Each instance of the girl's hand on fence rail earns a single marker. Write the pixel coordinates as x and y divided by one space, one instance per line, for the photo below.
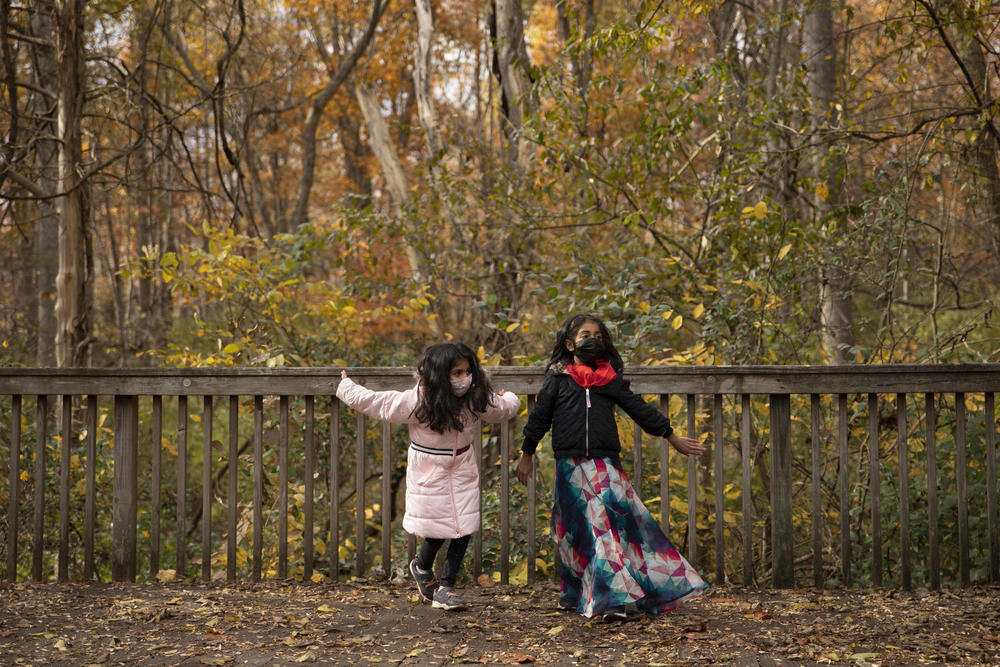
689 446
523 469
343 374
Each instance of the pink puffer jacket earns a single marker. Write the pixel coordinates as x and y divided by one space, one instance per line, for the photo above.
442 489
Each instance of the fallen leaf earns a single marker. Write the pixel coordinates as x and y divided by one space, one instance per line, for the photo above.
521 658
325 608
485 581
554 631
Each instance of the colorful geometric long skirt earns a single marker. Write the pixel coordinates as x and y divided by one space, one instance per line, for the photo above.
613 551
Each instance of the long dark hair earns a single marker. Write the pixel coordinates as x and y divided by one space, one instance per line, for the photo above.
439 408
568 331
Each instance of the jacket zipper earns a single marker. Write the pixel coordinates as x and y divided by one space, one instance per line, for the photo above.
451 484
587 422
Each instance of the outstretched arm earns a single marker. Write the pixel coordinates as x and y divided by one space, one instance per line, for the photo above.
392 406
688 446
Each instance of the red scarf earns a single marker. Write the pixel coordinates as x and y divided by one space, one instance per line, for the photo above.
586 376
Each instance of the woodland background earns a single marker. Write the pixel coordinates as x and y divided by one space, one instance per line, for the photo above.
237 182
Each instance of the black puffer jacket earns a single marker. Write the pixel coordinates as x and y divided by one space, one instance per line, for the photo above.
579 430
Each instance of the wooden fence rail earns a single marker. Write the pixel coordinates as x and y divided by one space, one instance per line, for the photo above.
708 386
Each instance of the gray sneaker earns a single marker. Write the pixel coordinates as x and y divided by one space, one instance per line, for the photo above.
447 598
425 581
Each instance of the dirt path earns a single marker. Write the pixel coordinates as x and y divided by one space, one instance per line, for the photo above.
382 623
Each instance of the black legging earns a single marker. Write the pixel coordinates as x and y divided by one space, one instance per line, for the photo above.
452 564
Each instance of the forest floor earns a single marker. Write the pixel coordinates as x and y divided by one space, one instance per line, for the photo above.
384 623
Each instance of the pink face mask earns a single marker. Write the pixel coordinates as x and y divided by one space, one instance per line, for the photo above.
460 387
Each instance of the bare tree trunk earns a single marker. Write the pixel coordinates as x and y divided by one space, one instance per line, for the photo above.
319 103
396 181
46 84
582 55
971 61
512 65
836 303
72 302
422 76
356 152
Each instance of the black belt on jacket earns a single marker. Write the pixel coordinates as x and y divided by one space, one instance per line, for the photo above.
439 452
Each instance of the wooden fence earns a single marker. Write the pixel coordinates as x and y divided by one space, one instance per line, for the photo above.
913 386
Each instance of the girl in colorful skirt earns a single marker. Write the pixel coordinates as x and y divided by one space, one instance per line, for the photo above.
442 477
615 559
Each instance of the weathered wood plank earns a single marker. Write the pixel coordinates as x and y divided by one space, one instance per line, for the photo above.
817 507
692 483
359 496
258 487
206 488
961 469
333 540
720 499
38 520
62 573
782 537
519 379
746 455
181 535
665 470
532 510
232 496
283 487
14 476
125 496
90 502
875 485
505 502
904 491
308 509
991 487
843 482
933 555
156 493
386 499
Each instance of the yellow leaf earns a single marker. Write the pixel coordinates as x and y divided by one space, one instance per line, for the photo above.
326 609
25 476
822 191
699 310
164 576
554 631
667 315
677 323
512 327
784 251
760 210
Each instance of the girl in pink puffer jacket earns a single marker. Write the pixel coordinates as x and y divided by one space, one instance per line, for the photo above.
442 479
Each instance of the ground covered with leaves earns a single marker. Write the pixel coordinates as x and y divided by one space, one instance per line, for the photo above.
384 623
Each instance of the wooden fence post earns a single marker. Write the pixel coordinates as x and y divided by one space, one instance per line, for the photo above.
781 494
15 478
123 539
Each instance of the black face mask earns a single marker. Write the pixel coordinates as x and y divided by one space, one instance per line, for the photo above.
589 350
